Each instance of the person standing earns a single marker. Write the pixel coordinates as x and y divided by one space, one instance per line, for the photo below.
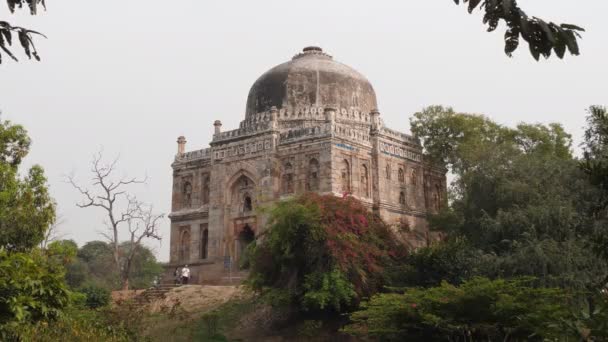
177 275
185 274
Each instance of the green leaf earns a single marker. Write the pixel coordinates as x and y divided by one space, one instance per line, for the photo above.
473 4
572 27
571 42
511 41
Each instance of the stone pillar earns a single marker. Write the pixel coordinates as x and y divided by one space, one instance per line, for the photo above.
218 127
181 145
375 119
274 114
375 169
330 117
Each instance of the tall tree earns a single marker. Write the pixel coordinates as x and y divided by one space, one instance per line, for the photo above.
595 165
542 37
26 207
125 214
518 196
31 284
94 266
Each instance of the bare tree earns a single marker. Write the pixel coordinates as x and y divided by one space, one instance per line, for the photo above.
125 214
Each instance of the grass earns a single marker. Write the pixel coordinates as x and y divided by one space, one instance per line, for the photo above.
215 325
212 326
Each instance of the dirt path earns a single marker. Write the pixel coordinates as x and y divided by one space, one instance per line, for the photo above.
198 298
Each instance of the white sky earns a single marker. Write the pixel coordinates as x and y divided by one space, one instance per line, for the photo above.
133 75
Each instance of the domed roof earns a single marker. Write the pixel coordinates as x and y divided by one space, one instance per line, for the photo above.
311 79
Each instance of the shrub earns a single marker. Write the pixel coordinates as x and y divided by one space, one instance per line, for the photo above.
452 260
321 253
96 296
480 310
75 325
31 290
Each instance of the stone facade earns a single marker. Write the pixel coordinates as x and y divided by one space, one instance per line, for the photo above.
311 124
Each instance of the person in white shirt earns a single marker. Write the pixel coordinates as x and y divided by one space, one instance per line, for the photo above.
185 274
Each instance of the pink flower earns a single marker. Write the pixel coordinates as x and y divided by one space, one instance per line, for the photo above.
413 305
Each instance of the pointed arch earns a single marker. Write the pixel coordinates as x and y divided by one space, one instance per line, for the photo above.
184 245
414 177
312 183
247 203
345 173
204 241
364 181
205 189
288 179
437 197
187 194
402 198
401 175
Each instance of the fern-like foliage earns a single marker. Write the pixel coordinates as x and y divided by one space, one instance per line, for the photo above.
542 37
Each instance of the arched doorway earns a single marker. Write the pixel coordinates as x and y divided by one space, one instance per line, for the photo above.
245 237
345 176
184 245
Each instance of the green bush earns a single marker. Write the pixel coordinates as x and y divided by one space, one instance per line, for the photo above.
96 296
31 290
478 310
75 325
452 260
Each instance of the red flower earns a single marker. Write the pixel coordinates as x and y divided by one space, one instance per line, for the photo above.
413 305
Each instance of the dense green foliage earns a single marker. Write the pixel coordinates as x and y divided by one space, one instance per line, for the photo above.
94 265
321 253
96 297
595 166
453 260
31 290
519 198
26 208
478 310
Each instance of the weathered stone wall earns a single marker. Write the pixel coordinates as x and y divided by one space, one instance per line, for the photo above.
273 160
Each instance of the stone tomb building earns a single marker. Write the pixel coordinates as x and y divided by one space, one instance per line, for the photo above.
311 124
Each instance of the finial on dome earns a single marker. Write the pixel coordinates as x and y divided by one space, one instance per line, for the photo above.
312 48
312 51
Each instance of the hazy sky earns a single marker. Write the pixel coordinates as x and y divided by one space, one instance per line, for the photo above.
132 75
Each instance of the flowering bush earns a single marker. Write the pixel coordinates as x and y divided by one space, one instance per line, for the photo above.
321 252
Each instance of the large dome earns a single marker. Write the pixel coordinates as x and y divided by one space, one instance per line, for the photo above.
311 79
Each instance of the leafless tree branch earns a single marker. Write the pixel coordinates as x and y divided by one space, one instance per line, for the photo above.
123 211
52 234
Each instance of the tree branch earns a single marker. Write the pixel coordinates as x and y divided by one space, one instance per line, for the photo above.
124 212
542 37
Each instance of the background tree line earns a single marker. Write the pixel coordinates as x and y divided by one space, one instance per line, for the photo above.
53 290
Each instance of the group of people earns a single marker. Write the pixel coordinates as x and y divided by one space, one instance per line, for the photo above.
182 276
